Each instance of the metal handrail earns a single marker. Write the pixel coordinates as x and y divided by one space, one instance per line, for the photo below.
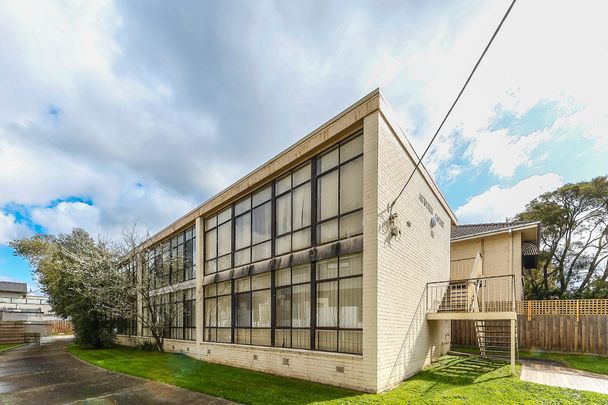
471 279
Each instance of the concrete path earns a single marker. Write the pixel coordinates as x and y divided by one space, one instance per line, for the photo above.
550 373
46 374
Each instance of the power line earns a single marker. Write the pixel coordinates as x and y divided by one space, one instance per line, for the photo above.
453 104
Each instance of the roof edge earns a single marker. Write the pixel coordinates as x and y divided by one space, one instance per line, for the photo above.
519 227
393 121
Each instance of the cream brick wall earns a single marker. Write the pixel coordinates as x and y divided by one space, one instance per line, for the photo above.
501 255
406 340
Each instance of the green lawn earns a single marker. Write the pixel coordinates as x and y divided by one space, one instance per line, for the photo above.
6 346
452 380
584 362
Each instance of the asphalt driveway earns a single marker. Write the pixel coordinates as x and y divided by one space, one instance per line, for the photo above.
46 374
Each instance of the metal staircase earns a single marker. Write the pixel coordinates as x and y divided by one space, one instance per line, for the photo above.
494 339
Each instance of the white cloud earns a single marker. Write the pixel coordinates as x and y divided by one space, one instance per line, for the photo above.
65 216
10 229
499 203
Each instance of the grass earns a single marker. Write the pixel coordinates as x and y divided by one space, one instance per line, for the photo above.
6 346
452 380
583 362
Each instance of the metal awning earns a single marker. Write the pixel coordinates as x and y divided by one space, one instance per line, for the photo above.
529 249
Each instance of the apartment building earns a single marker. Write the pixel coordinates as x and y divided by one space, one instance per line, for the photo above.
306 268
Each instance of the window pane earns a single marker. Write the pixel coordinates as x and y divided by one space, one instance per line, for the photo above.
260 337
283 214
260 281
223 335
327 269
224 215
224 241
210 290
300 274
243 336
328 195
283 184
260 303
282 338
327 304
301 175
328 231
210 222
283 244
211 312
211 267
243 309
301 239
210 335
283 306
301 206
351 149
242 206
328 161
224 288
351 186
351 225
350 341
242 237
261 223
327 340
300 338
351 298
351 265
223 263
210 244
300 315
242 284
242 257
224 311
282 277
261 196
260 252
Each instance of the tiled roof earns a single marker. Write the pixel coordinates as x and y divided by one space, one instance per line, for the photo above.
463 231
10 286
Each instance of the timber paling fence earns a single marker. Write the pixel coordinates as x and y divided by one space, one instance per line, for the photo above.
578 326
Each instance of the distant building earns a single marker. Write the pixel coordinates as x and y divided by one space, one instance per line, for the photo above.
17 305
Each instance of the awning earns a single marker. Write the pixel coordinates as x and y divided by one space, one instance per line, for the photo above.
529 249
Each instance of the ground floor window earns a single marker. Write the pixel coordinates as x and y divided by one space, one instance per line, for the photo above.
179 309
316 306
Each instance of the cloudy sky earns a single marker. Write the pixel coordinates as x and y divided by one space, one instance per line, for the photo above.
116 112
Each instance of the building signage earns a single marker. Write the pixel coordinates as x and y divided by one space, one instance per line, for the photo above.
430 209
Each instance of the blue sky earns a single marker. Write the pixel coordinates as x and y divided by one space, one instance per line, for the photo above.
117 112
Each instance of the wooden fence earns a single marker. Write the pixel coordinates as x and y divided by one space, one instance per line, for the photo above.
579 326
61 327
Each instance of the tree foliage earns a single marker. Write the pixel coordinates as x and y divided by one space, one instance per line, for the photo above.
574 241
79 276
98 284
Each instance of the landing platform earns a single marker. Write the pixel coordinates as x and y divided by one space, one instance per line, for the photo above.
470 316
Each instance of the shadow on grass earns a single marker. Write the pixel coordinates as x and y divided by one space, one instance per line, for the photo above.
461 371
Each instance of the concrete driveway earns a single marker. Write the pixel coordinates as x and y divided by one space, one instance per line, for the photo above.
46 374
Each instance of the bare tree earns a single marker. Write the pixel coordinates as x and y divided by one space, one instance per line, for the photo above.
151 295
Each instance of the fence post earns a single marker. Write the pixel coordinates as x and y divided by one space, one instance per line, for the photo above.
529 311
577 310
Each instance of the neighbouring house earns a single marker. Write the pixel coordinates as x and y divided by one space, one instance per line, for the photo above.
16 304
487 265
503 248
310 267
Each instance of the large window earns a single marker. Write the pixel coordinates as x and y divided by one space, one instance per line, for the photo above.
242 311
218 312
340 192
178 310
339 304
174 260
252 223
293 211
218 242
292 303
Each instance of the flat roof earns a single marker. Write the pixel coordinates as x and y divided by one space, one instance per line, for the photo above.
337 128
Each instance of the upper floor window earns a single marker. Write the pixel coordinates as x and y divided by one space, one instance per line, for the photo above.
340 192
218 242
293 211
